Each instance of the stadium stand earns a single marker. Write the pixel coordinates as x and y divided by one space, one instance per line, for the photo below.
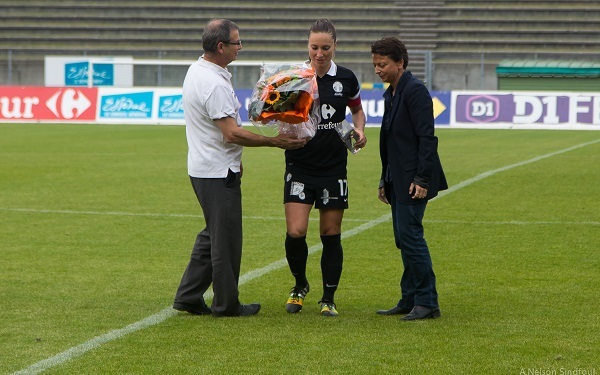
145 27
524 26
487 32
465 39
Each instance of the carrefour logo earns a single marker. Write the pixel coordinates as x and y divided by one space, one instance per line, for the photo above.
128 105
68 104
327 111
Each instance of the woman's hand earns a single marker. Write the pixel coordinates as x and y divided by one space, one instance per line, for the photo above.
382 195
361 139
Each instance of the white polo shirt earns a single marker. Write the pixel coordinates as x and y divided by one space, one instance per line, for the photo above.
208 95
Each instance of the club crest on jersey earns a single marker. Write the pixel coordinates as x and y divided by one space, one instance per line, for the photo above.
338 88
297 189
327 111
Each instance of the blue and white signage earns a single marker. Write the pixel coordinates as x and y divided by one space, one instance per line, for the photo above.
170 106
77 74
126 105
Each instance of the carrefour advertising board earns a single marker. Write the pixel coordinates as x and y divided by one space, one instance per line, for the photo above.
53 104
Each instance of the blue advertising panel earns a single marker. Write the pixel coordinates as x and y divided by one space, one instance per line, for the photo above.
77 74
126 105
243 96
170 107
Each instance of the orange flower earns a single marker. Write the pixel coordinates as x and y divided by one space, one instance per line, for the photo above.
299 114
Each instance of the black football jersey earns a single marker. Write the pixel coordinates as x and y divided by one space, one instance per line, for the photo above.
325 154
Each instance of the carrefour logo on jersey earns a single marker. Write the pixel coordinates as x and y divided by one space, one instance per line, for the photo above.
170 106
327 111
126 105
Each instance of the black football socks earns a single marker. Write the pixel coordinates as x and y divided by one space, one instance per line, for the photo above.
331 265
296 252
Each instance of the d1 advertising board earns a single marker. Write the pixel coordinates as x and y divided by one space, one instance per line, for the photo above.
542 110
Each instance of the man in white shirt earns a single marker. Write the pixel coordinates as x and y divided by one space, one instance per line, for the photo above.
215 141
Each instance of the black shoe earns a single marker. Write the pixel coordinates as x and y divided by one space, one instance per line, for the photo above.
422 312
194 310
397 310
248 310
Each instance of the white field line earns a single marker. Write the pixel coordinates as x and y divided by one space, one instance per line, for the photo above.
168 312
281 218
143 214
513 222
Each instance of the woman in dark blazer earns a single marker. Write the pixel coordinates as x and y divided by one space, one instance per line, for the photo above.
411 175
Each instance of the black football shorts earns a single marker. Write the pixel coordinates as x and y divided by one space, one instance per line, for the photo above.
323 192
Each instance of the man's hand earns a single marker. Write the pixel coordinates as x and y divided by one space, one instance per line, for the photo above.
232 133
288 142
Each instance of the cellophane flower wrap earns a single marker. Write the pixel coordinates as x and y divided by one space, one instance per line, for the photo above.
285 100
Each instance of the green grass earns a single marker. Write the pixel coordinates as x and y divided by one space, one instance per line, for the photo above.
97 223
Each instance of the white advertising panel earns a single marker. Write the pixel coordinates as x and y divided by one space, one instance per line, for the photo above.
75 71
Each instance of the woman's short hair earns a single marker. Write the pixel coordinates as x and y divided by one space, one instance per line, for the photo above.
391 47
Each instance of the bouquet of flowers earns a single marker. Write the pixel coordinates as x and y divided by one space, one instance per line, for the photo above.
285 98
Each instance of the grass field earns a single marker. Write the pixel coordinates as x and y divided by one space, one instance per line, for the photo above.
97 224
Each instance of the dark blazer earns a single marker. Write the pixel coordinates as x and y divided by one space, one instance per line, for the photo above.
407 144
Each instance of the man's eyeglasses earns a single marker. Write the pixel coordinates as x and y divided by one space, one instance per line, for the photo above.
238 43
